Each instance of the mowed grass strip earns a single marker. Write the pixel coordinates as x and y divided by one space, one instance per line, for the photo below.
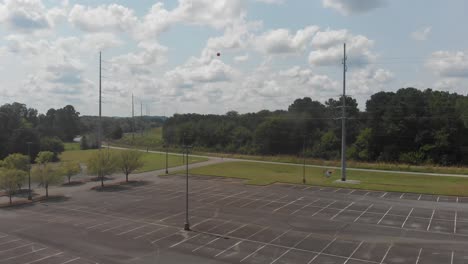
152 161
264 174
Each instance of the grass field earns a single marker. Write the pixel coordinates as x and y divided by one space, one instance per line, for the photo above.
71 146
152 139
263 174
152 161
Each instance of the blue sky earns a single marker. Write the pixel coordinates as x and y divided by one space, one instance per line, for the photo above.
272 52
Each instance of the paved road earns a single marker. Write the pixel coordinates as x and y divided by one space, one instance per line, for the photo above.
311 166
236 223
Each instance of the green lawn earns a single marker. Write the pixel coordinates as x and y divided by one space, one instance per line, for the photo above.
152 161
71 146
263 174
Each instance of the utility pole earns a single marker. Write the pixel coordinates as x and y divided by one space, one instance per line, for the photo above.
141 117
187 223
100 102
133 120
304 157
343 119
29 171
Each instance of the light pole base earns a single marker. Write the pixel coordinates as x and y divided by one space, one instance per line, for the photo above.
187 227
167 172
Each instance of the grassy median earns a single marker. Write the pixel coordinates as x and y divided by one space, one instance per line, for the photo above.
263 174
152 161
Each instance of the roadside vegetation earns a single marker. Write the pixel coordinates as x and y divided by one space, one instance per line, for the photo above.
264 174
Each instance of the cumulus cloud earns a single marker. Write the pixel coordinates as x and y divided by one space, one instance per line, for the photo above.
349 7
29 15
421 34
281 41
111 17
368 81
451 64
277 2
328 48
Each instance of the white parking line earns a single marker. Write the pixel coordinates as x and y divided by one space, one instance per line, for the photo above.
383 195
457 199
154 241
214 240
430 221
90 227
354 252
419 198
149 233
71 260
189 238
365 211
287 251
386 253
256 200
385 214
401 196
24 254
316 256
10 241
46 257
407 218
352 191
455 223
299 199
451 258
128 231
264 228
342 210
438 198
115 227
323 208
273 201
258 249
304 206
333 191
419 255
13 248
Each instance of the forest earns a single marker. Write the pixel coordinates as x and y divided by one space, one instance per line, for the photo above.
409 125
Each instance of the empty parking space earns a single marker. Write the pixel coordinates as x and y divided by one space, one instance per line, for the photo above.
235 223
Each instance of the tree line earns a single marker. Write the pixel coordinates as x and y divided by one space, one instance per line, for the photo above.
409 125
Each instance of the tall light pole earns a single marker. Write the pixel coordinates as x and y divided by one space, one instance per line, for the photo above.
343 119
29 171
166 147
100 103
304 157
187 223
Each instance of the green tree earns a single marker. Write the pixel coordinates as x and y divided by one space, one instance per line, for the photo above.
102 163
9 181
18 162
46 174
129 161
71 169
52 144
45 157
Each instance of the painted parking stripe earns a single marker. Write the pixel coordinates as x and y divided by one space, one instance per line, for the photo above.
323 208
309 204
354 252
402 225
24 254
71 260
287 251
46 257
128 231
258 249
262 229
13 248
386 253
419 255
363 212
385 214
316 256
430 221
342 210
299 199
216 239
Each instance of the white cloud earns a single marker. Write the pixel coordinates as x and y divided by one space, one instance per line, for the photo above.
241 58
349 7
328 48
111 17
364 82
453 64
29 15
421 34
276 2
281 41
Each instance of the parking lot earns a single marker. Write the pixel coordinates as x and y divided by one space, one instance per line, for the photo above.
235 223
